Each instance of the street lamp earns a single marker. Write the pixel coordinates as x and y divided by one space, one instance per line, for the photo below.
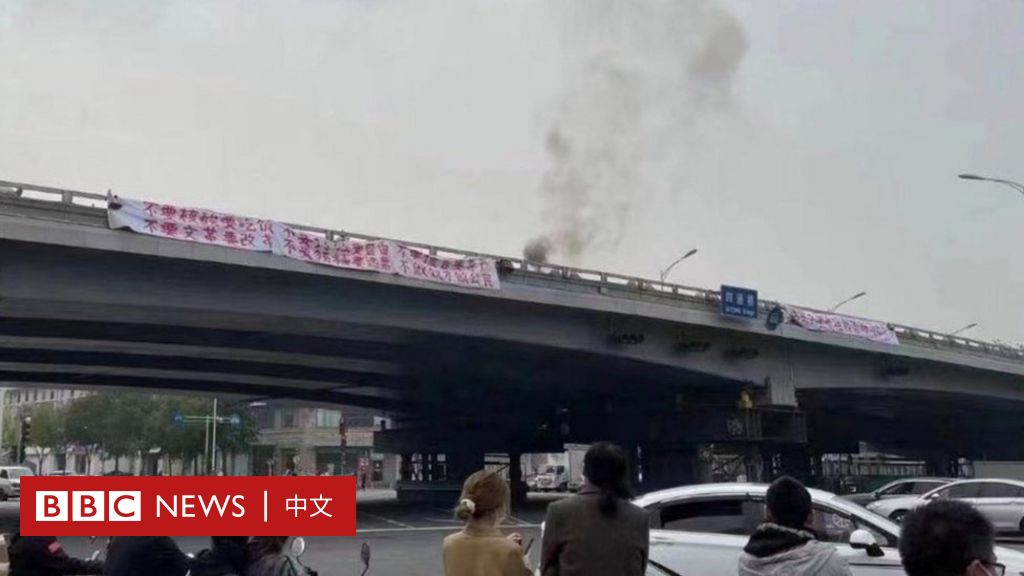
964 329
1015 185
848 300
665 272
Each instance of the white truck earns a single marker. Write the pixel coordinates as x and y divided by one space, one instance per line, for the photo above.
1005 469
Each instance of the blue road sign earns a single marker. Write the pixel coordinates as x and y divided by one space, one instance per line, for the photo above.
235 420
178 418
739 302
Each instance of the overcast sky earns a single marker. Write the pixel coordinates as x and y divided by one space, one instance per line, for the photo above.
807 148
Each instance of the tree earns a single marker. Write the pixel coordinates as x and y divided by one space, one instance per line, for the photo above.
10 434
125 423
85 423
49 429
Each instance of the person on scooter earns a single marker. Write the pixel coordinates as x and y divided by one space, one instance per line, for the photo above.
269 558
146 556
227 556
44 556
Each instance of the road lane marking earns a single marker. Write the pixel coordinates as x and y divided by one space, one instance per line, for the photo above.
388 521
425 529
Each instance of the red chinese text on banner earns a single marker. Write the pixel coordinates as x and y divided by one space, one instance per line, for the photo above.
373 256
467 272
191 224
217 228
847 325
193 506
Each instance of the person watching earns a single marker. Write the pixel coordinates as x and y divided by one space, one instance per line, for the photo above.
786 544
948 538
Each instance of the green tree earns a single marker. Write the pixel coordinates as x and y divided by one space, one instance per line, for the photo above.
10 433
85 422
125 424
49 431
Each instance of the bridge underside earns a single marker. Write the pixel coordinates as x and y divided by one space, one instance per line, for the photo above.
466 375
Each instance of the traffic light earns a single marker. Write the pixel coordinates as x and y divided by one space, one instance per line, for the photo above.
25 437
26 430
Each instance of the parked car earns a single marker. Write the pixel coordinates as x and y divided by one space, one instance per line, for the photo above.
13 474
8 490
1001 501
898 489
701 530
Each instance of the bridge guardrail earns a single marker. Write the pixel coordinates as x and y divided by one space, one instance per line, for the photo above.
603 281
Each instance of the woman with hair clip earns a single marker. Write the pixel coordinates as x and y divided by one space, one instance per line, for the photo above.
480 549
598 532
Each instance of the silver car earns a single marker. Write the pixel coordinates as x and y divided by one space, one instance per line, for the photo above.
899 489
1001 501
701 530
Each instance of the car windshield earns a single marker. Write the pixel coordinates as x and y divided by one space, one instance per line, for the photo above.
15 473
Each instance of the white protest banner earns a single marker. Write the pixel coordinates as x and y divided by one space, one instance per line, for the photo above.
847 325
217 228
465 272
190 224
373 255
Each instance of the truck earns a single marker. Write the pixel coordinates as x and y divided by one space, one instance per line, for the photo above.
1006 470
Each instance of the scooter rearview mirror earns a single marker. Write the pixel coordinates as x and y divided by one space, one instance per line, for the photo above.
298 546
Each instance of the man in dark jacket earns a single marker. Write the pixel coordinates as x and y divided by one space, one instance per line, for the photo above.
229 556
44 556
145 556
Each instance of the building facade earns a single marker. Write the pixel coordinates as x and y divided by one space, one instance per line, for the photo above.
309 441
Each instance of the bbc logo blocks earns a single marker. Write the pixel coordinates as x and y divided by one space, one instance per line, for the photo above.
89 506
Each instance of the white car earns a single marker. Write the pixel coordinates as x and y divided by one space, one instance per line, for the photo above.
13 474
701 530
8 490
1001 501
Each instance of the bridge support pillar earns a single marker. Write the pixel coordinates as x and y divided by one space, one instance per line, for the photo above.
439 481
515 477
664 467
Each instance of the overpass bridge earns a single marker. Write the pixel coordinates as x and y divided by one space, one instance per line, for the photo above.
556 354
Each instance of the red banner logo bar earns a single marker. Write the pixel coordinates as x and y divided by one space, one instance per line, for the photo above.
188 506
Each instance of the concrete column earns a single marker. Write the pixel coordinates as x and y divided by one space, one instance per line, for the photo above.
665 467
405 468
796 462
515 476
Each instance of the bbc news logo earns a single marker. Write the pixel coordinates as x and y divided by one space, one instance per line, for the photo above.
88 506
193 506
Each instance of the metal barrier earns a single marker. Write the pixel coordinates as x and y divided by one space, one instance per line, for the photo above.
604 282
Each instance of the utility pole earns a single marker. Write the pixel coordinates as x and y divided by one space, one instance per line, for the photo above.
206 445
343 430
213 443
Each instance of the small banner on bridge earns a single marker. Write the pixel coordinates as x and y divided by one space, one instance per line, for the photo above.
846 325
227 230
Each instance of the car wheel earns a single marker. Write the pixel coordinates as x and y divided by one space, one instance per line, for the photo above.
4 497
563 488
898 516
1022 525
